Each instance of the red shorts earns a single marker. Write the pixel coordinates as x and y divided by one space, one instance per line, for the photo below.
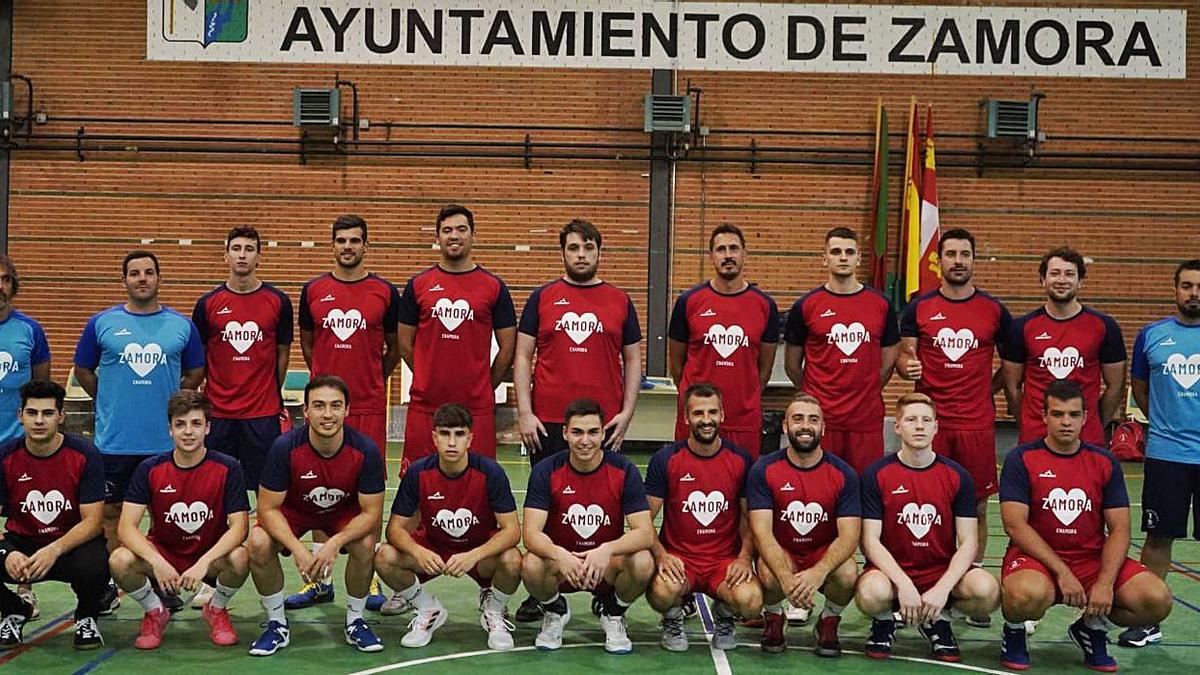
374 427
922 579
750 441
1086 570
803 562
704 576
180 562
860 449
602 589
418 435
975 450
330 523
444 554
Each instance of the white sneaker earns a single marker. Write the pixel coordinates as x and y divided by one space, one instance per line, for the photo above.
550 637
395 605
796 616
499 631
420 629
202 596
26 593
616 638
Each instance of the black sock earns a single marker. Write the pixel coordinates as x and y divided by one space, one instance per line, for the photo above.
611 606
558 605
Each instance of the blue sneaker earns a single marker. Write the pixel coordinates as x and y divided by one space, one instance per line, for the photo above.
1094 644
312 593
375 597
274 638
879 642
359 634
1014 652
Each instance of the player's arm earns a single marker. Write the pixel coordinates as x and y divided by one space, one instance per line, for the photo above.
937 597
1114 390
676 357
391 353
40 371
132 538
506 339
507 536
537 541
874 550
406 337
1016 525
766 362
398 534
631 361
38 565
276 525
529 425
849 532
793 364
237 525
1141 394
1112 557
887 363
769 550
87 379
908 366
306 347
367 521
191 378
742 568
670 567
283 357
1014 376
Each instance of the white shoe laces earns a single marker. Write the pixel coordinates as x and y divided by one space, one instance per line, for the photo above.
496 622
424 618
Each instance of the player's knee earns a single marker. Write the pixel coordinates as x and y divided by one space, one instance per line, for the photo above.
386 557
765 576
259 546
640 565
873 592
1153 600
533 568
1025 598
121 560
845 576
238 560
362 549
748 598
510 561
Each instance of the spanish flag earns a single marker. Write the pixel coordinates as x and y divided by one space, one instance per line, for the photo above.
910 213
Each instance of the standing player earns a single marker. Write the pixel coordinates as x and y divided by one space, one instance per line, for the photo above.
1166 366
806 517
454 515
841 346
725 331
919 539
705 545
348 329
147 352
52 488
947 338
448 316
199 516
1064 340
576 508
1058 496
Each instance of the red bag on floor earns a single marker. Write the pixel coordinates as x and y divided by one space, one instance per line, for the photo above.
1128 442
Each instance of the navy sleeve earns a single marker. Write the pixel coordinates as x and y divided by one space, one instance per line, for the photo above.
500 496
200 317
408 311
504 313
872 502
631 331
193 351
677 330
537 492
771 330
1139 368
795 331
747 464
908 321
529 314
285 329
633 496
407 495
87 350
849 501
5 449
1014 479
40 353
656 474
891 334
758 493
235 490
277 470
964 499
91 484
1013 348
372 478
1115 494
138 490
1003 330
305 318
1112 349
391 316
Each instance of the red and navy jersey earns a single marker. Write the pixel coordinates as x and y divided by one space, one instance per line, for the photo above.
585 510
188 507
1071 349
724 334
349 320
41 495
579 330
241 332
1066 495
955 342
918 508
320 487
805 503
843 336
456 315
458 513
701 499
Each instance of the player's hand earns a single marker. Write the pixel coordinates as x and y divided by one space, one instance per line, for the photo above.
323 560
531 430
304 560
1073 594
808 582
934 601
910 603
739 571
38 565
570 566
912 369
1099 601
595 564
167 577
14 564
618 425
460 563
671 569
429 562
193 577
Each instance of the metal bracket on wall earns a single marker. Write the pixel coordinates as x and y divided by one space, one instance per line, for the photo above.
79 143
753 157
528 152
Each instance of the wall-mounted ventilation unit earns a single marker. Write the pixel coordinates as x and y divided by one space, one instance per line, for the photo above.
1013 119
316 107
668 113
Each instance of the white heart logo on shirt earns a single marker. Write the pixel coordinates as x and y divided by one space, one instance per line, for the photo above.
706 507
189 517
954 343
919 518
241 336
7 364
45 507
585 521
579 327
1061 363
1185 369
455 523
725 340
325 498
847 338
344 324
804 517
452 314
1067 505
141 359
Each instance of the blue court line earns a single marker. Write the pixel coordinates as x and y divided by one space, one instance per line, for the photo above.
49 625
94 663
702 608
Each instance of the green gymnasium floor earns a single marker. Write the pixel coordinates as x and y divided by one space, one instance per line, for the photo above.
317 645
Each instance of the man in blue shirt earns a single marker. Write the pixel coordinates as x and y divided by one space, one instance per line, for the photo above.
1166 386
130 359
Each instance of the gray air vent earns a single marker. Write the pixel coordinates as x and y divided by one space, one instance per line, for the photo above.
316 107
1012 119
668 113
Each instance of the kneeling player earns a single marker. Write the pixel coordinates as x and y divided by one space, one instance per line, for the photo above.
465 520
806 517
322 477
919 539
52 488
1058 495
575 536
705 544
198 521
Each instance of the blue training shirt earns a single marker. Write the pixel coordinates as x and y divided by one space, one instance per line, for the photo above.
140 358
22 346
1167 355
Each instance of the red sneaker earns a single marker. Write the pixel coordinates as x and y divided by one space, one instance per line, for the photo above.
153 625
220 630
772 640
826 632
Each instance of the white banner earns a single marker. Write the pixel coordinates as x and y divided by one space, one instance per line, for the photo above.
802 38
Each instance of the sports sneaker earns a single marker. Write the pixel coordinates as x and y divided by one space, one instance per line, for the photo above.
879 642
111 600
797 616
529 611
724 628
1094 644
220 630
772 640
172 603
689 606
941 640
375 596
395 605
1140 636
1014 651
420 629
549 638
485 597
360 635
87 634
616 637
274 638
984 621
151 632
826 634
26 593
202 596
312 593
674 638
499 630
10 630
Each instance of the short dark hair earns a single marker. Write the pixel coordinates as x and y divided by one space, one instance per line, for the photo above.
956 233
582 407
185 401
726 228
700 390
841 233
348 221
455 210
43 389
581 227
244 232
331 381
1063 390
136 254
1192 265
1066 253
450 415
11 270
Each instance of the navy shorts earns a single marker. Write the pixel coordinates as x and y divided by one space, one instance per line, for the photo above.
118 469
247 441
1169 492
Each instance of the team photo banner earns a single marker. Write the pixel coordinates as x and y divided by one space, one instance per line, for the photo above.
801 38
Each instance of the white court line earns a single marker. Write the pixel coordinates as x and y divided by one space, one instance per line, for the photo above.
720 660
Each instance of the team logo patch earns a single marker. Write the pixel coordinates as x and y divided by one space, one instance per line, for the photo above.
455 523
726 340
579 327
919 518
1061 363
241 336
7 364
189 517
45 507
1185 369
1067 505
325 498
344 324
804 517
585 520
955 343
848 338
143 359
452 313
705 507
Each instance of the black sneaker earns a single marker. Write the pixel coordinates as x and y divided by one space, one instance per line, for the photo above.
1140 636
597 605
87 634
111 600
879 642
689 606
173 603
941 640
10 630
529 611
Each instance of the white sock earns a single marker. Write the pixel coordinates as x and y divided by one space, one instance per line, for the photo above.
620 602
354 609
222 594
1015 625
774 608
831 609
1099 623
553 599
274 605
146 597
885 616
499 599
417 596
